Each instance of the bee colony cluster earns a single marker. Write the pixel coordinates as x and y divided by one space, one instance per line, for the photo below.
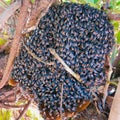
81 35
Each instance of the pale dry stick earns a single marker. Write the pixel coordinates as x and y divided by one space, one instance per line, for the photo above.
8 98
25 109
15 44
35 57
61 102
105 92
7 106
8 12
96 106
3 1
67 68
3 4
107 84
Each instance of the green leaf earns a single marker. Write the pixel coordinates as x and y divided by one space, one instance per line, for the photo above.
5 114
95 1
118 37
74 1
118 3
92 1
33 1
116 24
2 41
8 1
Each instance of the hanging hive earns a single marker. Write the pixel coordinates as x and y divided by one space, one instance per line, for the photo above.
81 35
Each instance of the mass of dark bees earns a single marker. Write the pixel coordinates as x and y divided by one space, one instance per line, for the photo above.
81 35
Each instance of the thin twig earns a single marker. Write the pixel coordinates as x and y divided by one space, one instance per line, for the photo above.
10 98
35 57
109 72
25 109
112 16
9 12
105 93
4 4
96 106
61 102
67 68
7 106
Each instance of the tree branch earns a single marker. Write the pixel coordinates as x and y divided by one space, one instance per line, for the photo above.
112 16
19 27
43 6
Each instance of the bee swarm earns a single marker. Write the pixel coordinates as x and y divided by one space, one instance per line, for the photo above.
81 35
